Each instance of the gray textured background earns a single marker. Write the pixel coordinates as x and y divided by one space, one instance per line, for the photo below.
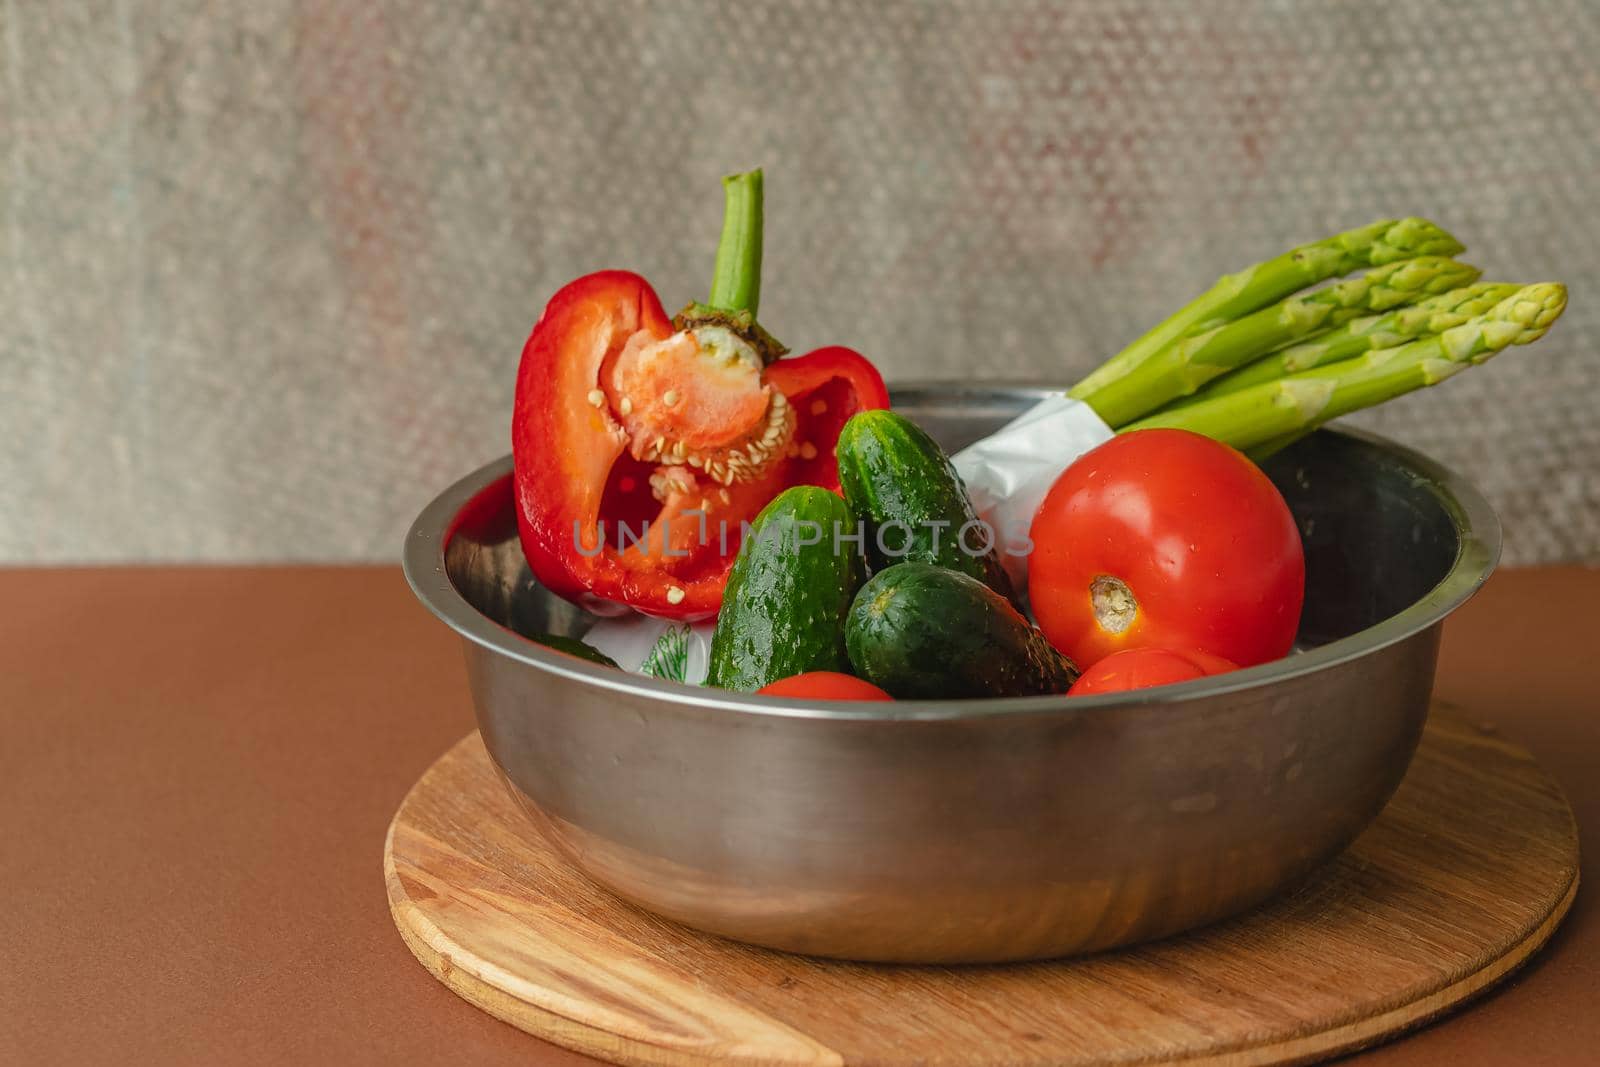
266 268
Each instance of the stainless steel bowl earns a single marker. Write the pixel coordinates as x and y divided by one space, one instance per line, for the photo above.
977 830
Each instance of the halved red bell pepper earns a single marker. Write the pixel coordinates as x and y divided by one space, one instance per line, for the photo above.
641 444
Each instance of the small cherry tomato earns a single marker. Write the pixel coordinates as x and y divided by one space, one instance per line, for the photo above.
1208 662
1166 539
824 685
1141 668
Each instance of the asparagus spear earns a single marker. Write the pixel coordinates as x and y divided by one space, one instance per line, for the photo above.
1434 315
1260 452
1262 414
1255 287
1189 362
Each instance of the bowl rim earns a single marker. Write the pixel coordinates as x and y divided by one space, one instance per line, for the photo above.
1478 550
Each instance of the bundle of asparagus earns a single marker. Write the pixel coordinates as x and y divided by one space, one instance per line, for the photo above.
1254 363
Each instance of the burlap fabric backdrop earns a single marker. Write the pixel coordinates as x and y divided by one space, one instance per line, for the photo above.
268 267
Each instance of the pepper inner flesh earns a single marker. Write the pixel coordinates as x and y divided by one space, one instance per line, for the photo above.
695 404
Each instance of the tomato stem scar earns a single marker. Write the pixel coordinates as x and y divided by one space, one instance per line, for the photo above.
1115 606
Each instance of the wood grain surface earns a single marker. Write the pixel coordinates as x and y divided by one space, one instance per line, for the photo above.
1462 878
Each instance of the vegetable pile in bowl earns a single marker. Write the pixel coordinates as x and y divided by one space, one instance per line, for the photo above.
1161 541
688 469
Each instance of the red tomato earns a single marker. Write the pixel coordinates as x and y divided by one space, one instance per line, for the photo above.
824 685
1206 661
1141 668
1166 539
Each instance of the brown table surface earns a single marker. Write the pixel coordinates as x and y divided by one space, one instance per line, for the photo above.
197 766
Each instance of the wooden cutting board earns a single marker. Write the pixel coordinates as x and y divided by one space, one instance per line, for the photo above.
1463 877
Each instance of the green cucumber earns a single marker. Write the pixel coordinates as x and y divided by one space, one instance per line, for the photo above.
924 632
574 647
787 596
901 483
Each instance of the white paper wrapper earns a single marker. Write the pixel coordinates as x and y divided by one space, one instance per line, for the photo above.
628 639
1007 475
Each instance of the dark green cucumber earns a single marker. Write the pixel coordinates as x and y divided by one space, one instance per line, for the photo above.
574 647
924 632
901 483
784 607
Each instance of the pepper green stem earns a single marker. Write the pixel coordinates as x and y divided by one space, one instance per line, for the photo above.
736 283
